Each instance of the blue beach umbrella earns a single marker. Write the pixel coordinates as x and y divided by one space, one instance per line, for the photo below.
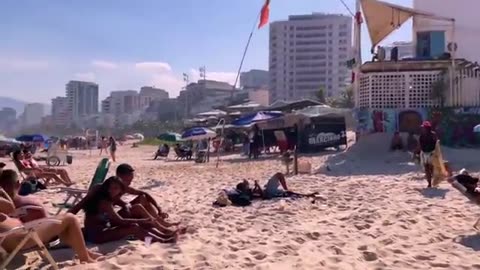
256 117
476 129
32 138
198 133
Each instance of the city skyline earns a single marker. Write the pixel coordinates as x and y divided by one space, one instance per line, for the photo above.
122 46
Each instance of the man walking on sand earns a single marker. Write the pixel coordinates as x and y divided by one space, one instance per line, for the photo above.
427 142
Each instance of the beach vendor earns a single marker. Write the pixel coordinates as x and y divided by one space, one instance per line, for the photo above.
427 142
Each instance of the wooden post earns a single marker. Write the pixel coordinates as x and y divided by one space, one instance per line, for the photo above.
295 151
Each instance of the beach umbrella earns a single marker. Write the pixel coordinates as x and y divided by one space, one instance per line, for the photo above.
256 117
476 129
4 139
32 138
170 137
198 133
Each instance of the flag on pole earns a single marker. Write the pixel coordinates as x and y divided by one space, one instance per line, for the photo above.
264 14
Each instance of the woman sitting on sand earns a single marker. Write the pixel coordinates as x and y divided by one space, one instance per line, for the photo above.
103 224
25 167
62 173
68 230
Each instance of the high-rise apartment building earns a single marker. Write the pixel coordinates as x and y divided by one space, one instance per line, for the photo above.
254 79
82 99
33 114
60 114
308 53
149 94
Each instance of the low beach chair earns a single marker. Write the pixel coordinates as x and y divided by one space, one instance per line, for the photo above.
77 194
458 186
30 233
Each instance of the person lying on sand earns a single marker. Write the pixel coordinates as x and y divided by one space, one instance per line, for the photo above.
242 195
10 183
470 183
103 224
68 231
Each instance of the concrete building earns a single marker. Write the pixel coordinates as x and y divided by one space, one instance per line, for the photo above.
60 114
405 50
309 52
254 79
149 94
433 36
203 95
33 114
82 98
124 105
259 96
8 119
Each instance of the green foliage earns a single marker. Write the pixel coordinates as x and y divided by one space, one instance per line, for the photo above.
439 89
346 99
320 95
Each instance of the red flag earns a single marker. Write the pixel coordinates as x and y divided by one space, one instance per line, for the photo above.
264 14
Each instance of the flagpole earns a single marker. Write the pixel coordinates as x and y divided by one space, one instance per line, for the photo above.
357 50
244 54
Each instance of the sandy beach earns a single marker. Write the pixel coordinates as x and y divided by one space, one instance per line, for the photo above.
373 212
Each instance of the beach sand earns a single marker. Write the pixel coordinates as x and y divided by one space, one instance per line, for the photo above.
373 212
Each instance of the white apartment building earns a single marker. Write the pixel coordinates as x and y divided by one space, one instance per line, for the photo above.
309 52
254 79
60 115
433 36
82 99
33 114
149 94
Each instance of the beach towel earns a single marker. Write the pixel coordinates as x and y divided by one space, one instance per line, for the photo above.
439 171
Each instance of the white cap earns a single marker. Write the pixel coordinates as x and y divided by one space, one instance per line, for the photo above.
463 171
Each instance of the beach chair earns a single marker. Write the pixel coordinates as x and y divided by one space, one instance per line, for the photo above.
26 176
77 194
180 154
458 186
30 233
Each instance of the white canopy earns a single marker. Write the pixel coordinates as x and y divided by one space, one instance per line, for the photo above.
383 18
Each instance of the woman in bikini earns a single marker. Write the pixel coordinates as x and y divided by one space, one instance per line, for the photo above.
62 173
103 224
25 167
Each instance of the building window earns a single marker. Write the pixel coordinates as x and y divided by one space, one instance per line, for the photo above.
430 43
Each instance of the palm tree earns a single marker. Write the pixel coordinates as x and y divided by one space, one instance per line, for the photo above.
439 88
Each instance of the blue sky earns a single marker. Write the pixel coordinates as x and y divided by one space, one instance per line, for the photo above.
124 44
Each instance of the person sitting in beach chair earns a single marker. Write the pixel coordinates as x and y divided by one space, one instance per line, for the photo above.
103 224
10 183
62 173
162 151
183 153
65 227
469 183
397 142
24 167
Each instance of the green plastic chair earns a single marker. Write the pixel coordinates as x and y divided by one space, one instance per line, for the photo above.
77 194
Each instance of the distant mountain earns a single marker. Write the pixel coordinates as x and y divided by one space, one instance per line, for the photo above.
18 105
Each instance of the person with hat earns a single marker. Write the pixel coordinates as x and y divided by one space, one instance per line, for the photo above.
427 143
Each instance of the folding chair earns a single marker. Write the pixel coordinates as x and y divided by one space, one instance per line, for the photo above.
77 194
29 230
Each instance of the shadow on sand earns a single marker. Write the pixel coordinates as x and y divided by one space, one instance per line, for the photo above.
433 192
469 241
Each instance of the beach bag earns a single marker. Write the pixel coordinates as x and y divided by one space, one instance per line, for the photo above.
30 186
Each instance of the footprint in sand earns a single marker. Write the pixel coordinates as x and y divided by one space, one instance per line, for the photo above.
425 257
313 235
336 250
299 240
258 255
362 247
369 256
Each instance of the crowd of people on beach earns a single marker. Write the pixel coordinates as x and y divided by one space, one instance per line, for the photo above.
141 219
